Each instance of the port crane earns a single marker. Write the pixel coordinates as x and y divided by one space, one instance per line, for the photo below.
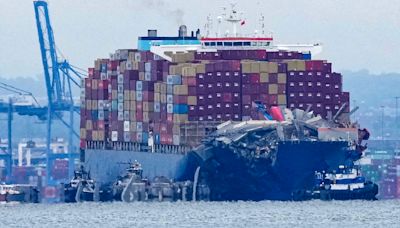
60 77
11 105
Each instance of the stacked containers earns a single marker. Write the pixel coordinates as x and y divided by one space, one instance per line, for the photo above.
136 94
263 81
312 82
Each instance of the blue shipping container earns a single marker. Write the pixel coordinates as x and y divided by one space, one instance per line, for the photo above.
145 137
174 79
181 108
307 56
157 138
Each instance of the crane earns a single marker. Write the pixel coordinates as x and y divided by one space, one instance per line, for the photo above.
60 77
12 105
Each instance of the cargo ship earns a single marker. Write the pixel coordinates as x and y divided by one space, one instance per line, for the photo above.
159 103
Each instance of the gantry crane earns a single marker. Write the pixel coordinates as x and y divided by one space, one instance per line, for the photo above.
60 77
8 106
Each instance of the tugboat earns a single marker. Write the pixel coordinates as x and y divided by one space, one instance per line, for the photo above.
344 184
82 188
10 193
131 186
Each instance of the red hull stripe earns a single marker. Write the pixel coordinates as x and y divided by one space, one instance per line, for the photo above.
237 38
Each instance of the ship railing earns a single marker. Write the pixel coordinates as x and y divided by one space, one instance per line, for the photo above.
140 147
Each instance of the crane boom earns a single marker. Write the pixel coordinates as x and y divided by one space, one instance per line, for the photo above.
59 76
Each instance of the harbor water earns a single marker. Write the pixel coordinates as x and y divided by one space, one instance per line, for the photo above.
314 213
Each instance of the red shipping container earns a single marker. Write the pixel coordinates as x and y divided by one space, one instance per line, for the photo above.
314 65
139 115
90 72
112 65
180 99
100 124
254 78
170 117
82 144
96 74
139 106
191 81
163 138
272 100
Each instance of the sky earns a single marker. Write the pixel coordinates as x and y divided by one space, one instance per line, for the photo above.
356 34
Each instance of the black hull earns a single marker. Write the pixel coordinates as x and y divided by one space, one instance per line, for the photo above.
233 177
69 195
18 197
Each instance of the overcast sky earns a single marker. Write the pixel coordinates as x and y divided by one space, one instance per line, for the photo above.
356 34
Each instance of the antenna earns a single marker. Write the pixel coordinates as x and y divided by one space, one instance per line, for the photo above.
219 20
208 25
262 21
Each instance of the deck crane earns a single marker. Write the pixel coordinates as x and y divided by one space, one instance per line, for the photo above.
60 77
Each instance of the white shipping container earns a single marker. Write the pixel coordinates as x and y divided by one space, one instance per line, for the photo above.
156 57
138 57
127 136
170 99
139 95
114 136
101 104
170 108
127 125
101 115
120 107
129 65
120 116
120 79
120 97
176 140
120 88
126 115
103 76
157 107
147 67
147 76
139 86
139 126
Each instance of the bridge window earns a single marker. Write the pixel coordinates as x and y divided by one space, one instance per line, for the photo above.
219 43
227 43
237 44
212 44
246 43
207 43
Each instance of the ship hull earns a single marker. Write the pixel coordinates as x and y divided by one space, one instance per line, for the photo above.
106 165
230 176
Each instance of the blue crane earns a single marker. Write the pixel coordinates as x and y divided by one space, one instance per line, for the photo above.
60 77
8 107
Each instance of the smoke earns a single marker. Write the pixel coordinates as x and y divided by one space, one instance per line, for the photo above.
165 9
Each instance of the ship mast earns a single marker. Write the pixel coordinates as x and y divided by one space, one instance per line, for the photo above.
233 18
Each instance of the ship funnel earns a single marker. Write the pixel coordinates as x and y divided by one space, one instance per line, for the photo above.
182 31
152 33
